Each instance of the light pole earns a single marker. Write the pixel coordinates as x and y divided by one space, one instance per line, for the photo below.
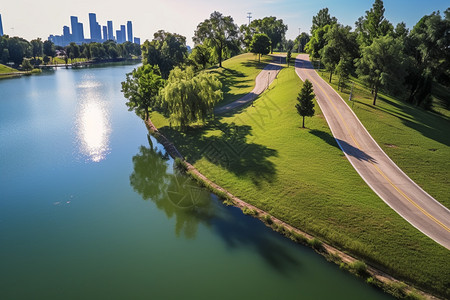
268 78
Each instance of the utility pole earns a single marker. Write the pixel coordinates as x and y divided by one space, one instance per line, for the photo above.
299 40
249 17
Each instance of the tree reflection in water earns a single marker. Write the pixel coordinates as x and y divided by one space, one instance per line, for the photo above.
174 193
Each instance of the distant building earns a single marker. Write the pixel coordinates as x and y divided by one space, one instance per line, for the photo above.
137 40
105 33
75 28
130 31
110 31
66 37
1 26
95 29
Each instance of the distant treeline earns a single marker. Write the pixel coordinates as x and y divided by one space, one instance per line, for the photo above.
17 51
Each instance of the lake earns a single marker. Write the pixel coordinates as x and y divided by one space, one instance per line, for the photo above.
91 208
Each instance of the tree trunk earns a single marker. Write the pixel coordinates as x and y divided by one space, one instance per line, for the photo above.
375 95
331 74
303 125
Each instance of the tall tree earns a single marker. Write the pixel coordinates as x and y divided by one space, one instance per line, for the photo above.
37 47
49 48
166 50
260 44
305 105
273 27
218 32
373 24
201 55
190 98
317 42
141 88
381 64
321 19
301 41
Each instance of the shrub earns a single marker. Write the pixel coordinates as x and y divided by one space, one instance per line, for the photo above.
359 267
316 244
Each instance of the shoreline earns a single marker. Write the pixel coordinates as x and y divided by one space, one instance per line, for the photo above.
370 274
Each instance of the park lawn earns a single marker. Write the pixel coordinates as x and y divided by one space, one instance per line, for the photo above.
418 141
238 75
6 69
300 176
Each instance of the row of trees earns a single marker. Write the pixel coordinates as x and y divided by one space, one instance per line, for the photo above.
15 49
402 62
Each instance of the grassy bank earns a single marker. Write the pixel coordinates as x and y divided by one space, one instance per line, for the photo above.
5 71
418 141
302 177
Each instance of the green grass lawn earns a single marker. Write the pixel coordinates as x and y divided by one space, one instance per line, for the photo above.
418 141
262 156
238 75
5 69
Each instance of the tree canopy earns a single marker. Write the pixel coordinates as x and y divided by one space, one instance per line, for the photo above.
274 28
321 19
220 33
305 105
260 44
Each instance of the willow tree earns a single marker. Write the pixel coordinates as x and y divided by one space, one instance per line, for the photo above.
189 98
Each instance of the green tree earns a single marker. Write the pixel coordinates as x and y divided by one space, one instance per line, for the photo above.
317 42
201 55
373 24
190 98
37 47
48 48
260 44
381 64
305 105
321 19
219 33
273 27
46 59
5 56
166 50
301 41
141 88
26 65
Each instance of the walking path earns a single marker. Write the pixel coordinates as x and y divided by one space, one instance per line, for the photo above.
385 178
262 82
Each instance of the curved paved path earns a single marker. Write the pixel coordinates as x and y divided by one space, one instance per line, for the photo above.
262 82
384 177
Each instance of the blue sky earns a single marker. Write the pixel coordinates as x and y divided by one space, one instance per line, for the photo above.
31 19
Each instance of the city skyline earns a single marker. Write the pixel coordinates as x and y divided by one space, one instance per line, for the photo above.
97 33
183 18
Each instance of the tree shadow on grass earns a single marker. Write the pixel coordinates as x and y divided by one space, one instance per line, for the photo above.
231 78
190 205
343 145
427 123
226 145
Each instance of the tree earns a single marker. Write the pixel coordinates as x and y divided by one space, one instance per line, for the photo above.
381 64
141 88
340 43
273 27
218 32
49 48
321 19
301 41
373 24
46 59
190 98
166 50
288 57
37 47
26 65
305 105
317 42
260 44
201 55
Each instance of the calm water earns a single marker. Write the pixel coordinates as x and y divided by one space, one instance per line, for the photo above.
90 208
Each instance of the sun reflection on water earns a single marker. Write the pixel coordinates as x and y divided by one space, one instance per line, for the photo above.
93 125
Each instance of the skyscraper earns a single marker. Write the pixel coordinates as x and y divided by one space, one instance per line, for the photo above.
123 33
105 33
130 31
80 33
75 28
67 37
1 26
137 40
95 29
110 31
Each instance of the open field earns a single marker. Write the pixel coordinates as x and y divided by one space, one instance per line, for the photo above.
302 177
418 141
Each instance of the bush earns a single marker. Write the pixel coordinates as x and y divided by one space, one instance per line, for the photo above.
359 267
316 244
268 219
36 71
180 165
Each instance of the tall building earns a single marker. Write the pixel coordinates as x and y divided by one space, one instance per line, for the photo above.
67 37
1 26
110 31
137 40
95 29
123 33
130 31
75 28
105 33
80 33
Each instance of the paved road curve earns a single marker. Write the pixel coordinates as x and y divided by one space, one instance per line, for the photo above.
375 167
262 81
